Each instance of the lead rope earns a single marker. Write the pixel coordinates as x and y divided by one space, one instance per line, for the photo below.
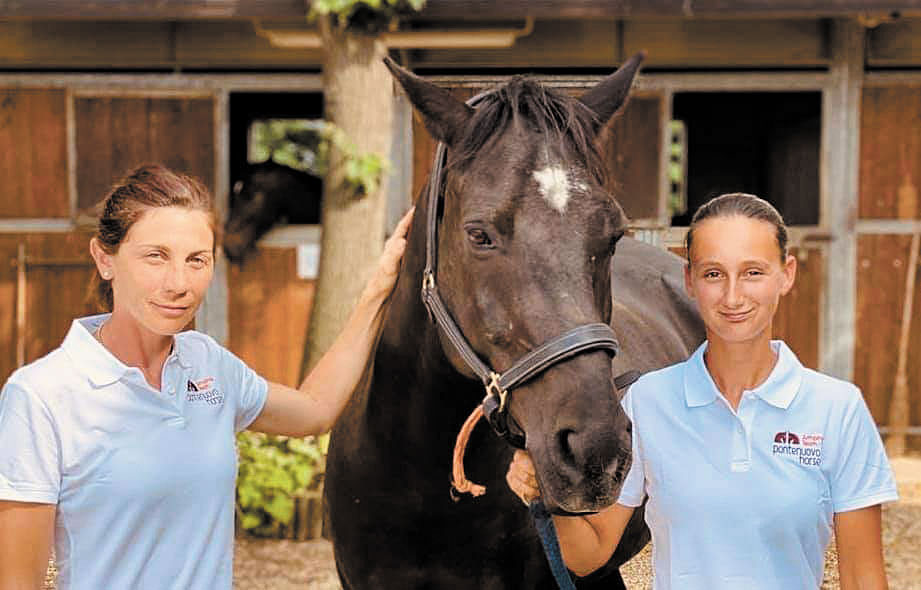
543 521
459 482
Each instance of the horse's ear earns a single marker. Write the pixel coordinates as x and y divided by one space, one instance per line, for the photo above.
443 114
609 95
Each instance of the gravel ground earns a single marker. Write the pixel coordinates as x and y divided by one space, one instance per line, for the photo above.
262 564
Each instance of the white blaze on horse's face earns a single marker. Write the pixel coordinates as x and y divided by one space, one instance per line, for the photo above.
553 183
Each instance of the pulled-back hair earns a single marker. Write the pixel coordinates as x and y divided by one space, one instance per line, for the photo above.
147 187
743 205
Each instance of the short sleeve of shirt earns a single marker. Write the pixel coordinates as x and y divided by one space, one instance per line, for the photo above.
251 387
861 475
633 490
30 468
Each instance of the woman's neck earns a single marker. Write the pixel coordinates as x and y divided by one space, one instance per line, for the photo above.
739 366
135 346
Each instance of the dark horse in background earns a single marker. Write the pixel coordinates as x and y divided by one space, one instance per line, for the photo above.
525 246
266 194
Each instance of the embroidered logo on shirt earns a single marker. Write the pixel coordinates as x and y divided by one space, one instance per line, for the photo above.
203 390
806 448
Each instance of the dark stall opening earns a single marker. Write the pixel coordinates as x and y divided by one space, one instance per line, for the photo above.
766 143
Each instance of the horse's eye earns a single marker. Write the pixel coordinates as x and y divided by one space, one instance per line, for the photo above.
479 238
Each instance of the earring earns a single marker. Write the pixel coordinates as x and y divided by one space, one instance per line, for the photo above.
105 275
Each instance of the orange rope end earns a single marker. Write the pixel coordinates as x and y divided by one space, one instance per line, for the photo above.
459 478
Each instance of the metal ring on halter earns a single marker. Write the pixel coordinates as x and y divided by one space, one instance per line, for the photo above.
428 280
493 388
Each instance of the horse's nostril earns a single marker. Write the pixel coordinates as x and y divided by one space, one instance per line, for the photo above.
565 435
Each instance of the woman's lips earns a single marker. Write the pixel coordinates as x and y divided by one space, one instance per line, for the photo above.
736 316
173 311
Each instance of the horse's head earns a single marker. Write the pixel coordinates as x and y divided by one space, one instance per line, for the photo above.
266 194
524 249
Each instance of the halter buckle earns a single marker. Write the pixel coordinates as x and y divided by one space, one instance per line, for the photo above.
428 280
493 388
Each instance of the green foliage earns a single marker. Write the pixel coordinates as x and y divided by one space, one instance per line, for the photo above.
305 144
364 15
273 471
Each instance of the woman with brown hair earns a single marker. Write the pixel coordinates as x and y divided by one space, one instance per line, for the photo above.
117 448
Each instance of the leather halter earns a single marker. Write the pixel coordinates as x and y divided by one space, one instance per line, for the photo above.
495 405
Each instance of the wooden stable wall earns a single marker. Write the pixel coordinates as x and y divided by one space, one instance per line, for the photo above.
889 212
33 153
116 133
55 282
269 308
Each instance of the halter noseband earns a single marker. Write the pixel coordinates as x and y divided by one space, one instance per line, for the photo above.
495 404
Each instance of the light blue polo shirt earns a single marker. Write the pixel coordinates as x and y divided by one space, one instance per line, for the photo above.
746 499
143 479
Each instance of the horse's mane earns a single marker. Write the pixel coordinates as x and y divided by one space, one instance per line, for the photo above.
536 107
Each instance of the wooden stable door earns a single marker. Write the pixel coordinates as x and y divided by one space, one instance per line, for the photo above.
889 217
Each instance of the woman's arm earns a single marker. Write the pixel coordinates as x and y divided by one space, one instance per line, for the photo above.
858 535
26 536
586 542
330 384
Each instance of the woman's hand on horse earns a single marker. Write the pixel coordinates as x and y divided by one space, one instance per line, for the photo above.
522 477
388 265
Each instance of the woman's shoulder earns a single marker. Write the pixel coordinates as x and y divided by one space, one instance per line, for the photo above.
44 377
825 388
658 387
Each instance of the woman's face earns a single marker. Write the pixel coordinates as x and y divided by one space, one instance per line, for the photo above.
736 275
163 268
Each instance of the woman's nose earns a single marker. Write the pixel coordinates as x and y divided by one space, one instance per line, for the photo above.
733 297
176 279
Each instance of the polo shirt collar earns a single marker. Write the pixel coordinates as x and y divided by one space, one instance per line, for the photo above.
94 360
779 389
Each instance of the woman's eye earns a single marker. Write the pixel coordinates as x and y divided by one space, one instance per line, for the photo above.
479 238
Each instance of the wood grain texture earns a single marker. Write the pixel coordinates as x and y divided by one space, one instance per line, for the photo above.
55 294
631 144
116 134
269 309
890 152
714 42
797 319
552 43
895 44
33 153
882 264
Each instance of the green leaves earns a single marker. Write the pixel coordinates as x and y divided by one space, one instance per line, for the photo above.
306 144
364 15
273 471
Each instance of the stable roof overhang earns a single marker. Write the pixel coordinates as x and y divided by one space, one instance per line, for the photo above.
459 10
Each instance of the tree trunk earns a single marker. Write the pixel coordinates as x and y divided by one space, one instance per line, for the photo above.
359 100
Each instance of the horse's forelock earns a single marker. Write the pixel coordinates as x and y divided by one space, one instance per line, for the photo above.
533 106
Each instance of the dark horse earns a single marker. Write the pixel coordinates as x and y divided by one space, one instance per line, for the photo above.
266 194
525 245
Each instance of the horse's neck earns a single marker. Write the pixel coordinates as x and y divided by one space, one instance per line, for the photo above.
412 378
